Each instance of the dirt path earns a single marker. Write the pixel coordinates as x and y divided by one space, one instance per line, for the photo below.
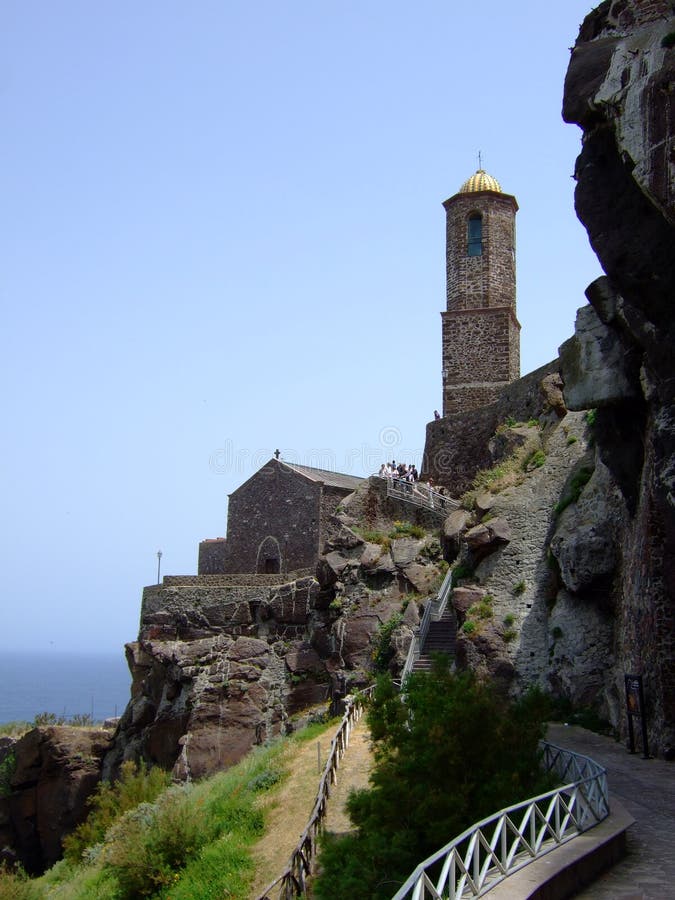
289 811
352 774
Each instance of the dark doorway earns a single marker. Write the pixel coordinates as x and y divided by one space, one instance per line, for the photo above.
271 566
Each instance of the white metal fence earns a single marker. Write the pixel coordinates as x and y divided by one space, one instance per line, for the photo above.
421 495
485 854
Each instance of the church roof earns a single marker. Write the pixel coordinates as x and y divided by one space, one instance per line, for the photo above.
330 479
480 181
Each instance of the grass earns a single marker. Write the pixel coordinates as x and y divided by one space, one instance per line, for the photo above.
477 614
508 472
191 841
406 529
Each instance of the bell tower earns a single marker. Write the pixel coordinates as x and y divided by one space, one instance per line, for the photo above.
481 334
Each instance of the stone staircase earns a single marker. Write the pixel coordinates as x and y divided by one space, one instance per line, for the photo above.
441 638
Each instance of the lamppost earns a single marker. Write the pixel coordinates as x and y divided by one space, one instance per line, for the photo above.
159 563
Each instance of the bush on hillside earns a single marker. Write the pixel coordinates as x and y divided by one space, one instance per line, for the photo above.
136 785
452 754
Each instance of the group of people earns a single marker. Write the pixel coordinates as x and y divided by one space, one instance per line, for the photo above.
402 471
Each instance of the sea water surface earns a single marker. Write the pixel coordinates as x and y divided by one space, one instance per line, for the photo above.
66 684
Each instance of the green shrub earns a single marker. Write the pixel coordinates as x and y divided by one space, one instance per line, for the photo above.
377 537
14 729
432 550
572 439
450 730
406 529
509 635
533 423
469 627
82 720
336 605
383 652
16 885
520 587
535 460
135 785
591 416
509 619
45 719
462 570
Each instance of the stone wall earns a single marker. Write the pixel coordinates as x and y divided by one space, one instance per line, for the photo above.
488 280
281 507
212 556
457 446
481 335
480 356
217 668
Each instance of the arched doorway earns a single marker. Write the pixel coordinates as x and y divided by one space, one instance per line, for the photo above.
269 557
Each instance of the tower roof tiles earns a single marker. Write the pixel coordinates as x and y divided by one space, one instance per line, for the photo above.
480 181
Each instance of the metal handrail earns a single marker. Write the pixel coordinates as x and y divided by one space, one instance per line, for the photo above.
432 613
419 494
292 881
496 847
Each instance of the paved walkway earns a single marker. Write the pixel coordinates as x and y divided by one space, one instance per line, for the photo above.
647 789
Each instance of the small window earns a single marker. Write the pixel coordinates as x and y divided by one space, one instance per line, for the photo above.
475 235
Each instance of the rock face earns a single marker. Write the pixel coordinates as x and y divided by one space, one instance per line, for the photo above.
56 770
225 662
619 90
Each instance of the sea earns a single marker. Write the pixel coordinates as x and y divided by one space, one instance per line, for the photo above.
65 684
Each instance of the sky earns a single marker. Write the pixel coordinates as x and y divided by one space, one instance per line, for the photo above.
221 233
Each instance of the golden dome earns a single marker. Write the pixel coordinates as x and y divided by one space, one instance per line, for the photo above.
480 181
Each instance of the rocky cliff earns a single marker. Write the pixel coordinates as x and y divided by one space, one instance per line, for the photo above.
619 90
223 662
52 773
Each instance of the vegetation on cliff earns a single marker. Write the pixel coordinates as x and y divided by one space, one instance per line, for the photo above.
144 839
452 754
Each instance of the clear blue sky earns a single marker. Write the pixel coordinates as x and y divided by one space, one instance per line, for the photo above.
222 233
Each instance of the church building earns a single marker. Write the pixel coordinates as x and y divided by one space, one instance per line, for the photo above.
481 334
277 520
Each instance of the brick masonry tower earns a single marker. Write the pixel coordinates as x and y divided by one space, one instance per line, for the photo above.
481 334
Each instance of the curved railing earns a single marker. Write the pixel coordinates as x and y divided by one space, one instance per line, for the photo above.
432 612
292 882
485 854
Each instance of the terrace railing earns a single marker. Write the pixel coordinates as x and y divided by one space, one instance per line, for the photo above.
292 881
421 495
485 854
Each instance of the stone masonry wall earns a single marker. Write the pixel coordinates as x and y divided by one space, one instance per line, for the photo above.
212 556
458 446
481 335
480 351
486 280
279 503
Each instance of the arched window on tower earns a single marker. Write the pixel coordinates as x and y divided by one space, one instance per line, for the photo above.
474 235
